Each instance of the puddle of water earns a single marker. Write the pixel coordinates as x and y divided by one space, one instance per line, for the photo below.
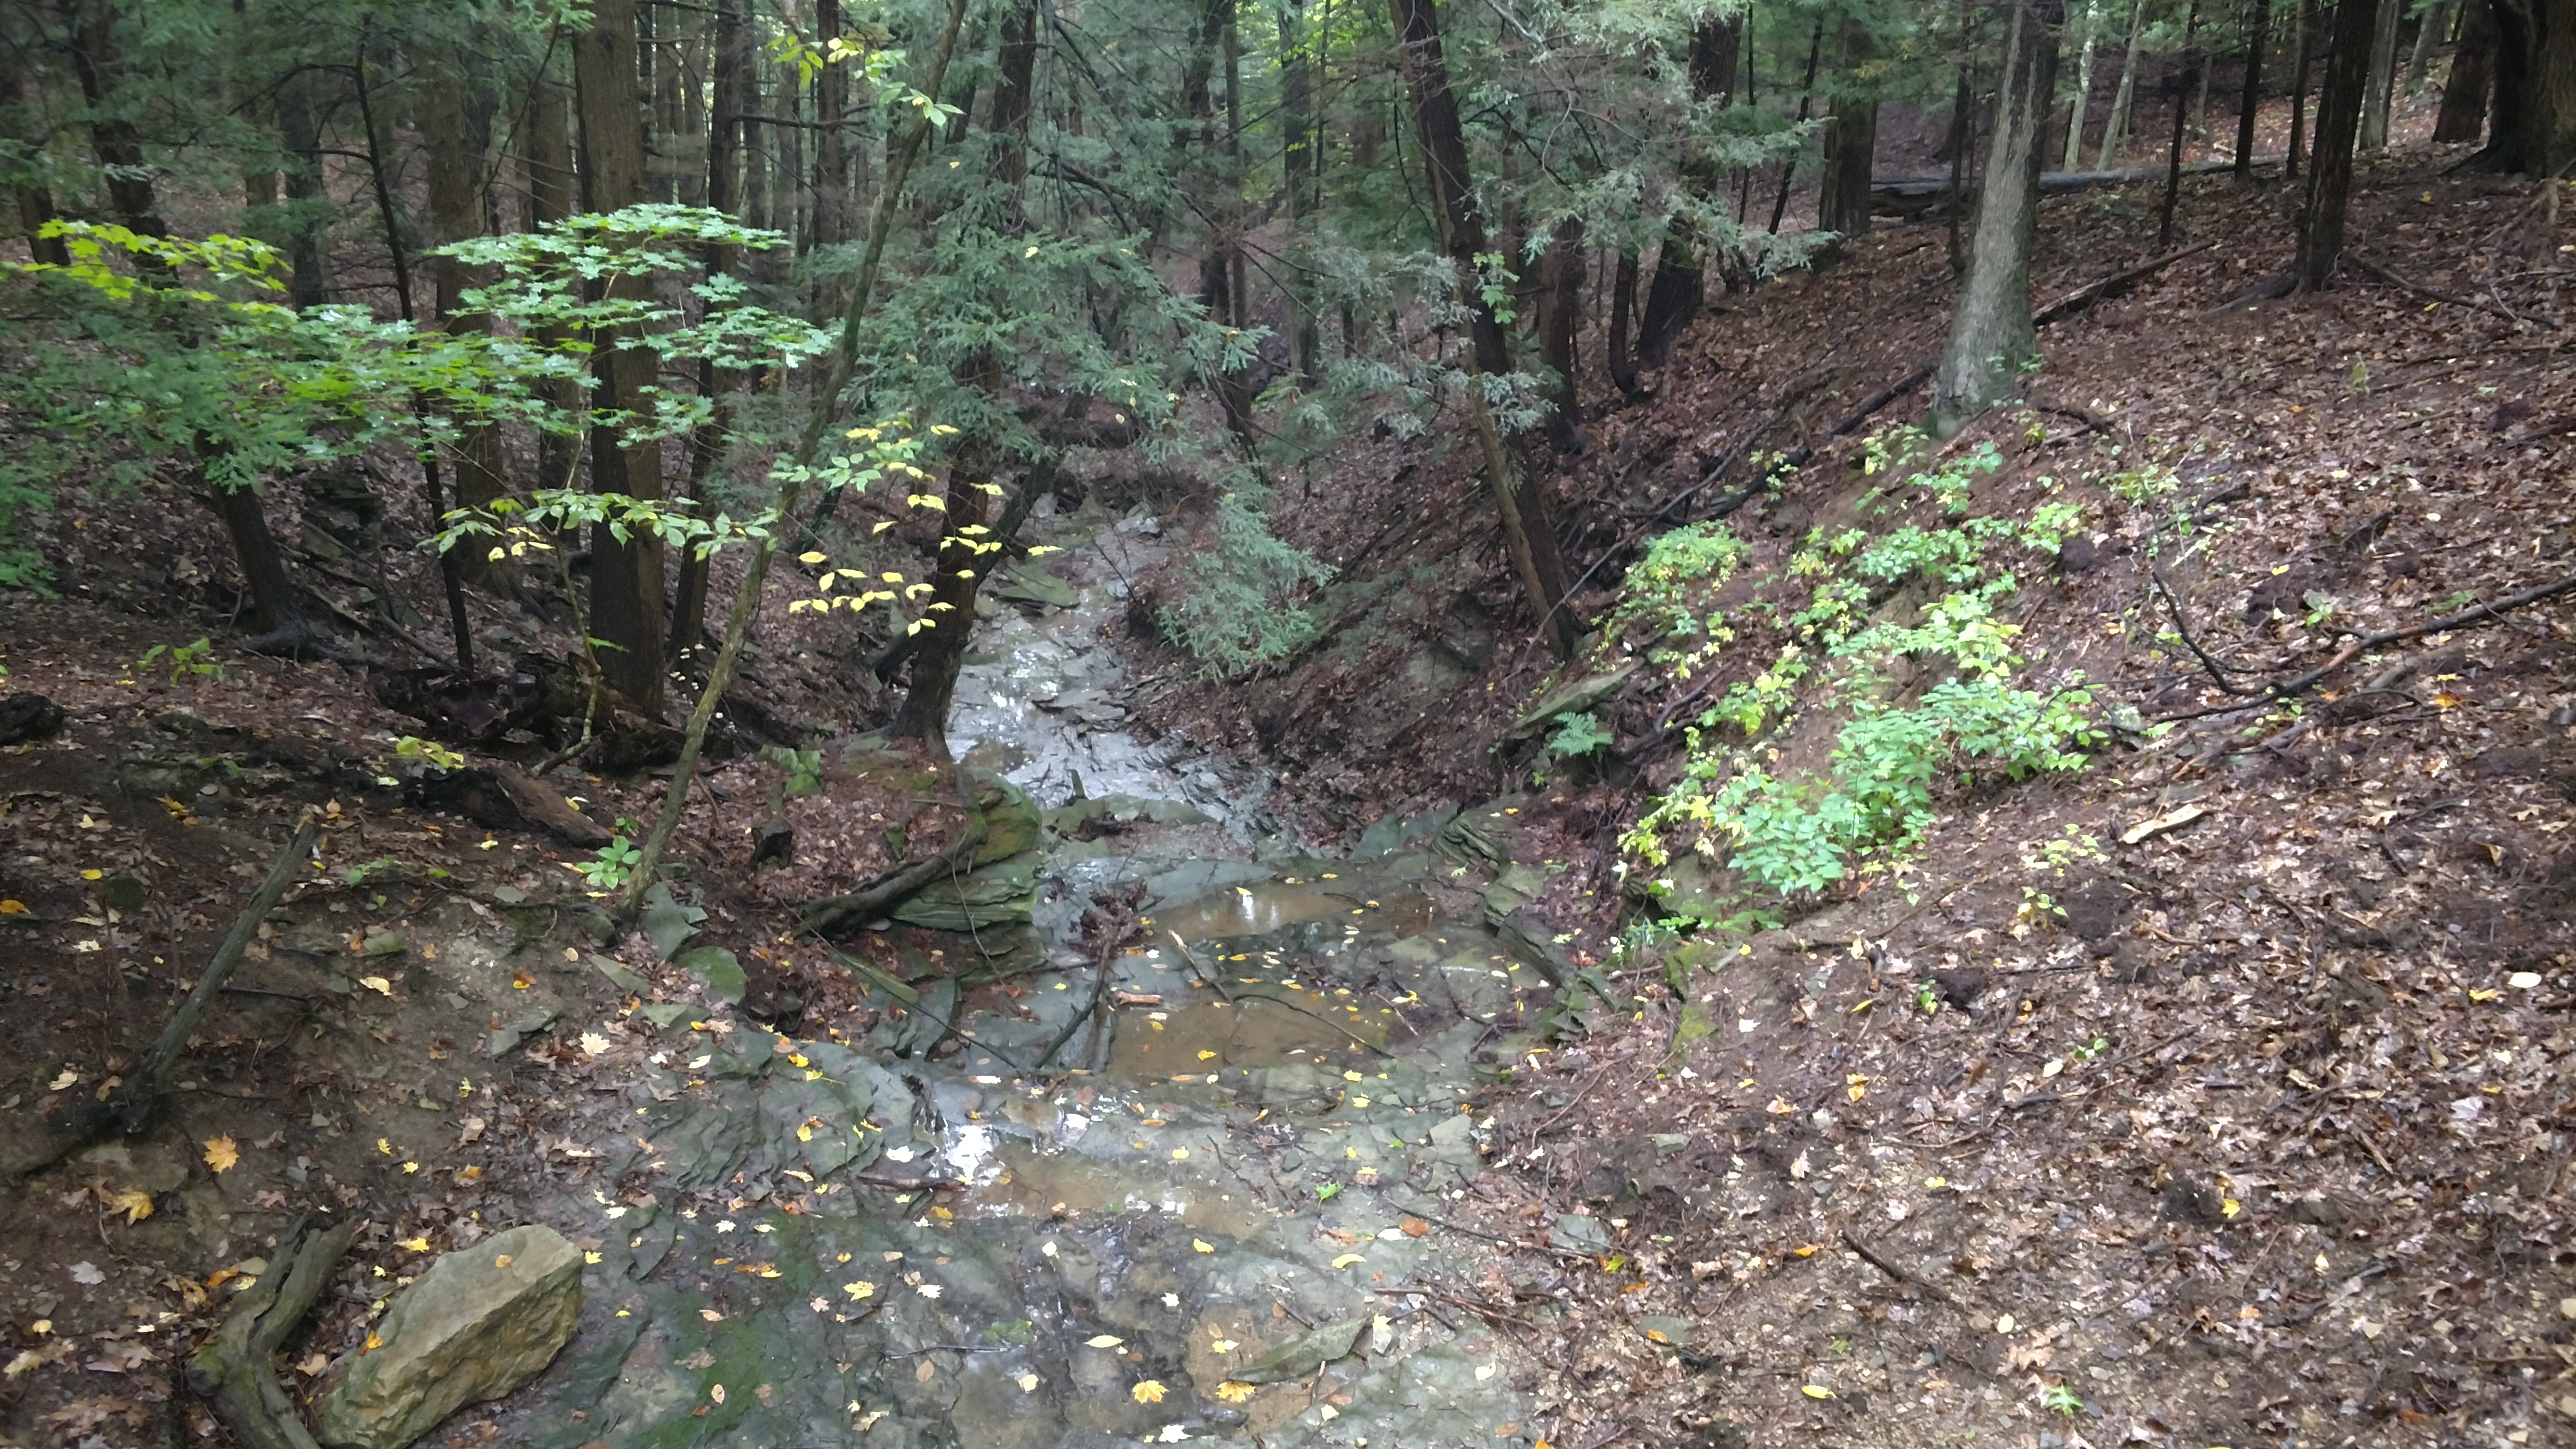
1258 910
1205 1038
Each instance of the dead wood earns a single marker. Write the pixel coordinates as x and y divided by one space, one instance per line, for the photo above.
233 1371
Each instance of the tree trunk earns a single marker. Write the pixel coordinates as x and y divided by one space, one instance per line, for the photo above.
545 159
275 612
1560 315
35 200
2305 22
947 631
2074 156
2464 90
1529 533
2191 65
1806 103
2115 133
1302 165
1851 141
1680 285
2532 130
2380 91
2339 102
455 215
113 137
2430 32
1991 335
831 146
2250 104
626 603
299 132
1617 359
723 193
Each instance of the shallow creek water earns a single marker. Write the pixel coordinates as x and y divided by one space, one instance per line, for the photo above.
1209 1238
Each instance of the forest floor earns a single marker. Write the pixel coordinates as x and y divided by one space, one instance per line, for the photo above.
2261 1135
2263 1139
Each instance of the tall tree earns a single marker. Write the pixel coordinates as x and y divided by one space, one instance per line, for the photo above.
1529 528
2532 125
2379 92
2304 21
2258 27
456 214
626 603
2463 116
1991 335
2115 132
2321 215
2092 24
1680 282
1851 137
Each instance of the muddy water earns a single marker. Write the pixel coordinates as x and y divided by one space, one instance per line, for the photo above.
1199 1221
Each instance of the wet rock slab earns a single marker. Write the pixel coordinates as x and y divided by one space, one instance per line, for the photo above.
482 1321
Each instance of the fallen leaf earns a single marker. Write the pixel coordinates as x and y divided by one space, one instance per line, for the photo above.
1815 1391
1347 1259
13 908
135 1204
1106 1340
221 1154
87 1275
922 1374
414 1245
377 984
1200 1246
1150 1391
715 1392
67 1079
593 1044
1414 1227
1233 1391
860 1290
2173 819
710 1315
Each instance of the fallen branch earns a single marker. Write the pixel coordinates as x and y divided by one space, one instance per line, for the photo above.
2467 618
896 886
2182 629
232 1370
2420 290
131 1107
2119 281
1893 1269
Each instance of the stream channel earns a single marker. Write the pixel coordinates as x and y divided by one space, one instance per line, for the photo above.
1209 1235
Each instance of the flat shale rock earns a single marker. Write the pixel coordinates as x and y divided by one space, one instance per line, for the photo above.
482 1321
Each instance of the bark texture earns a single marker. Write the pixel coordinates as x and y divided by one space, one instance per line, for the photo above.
1991 335
2321 217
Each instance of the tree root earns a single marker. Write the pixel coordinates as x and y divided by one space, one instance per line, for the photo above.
233 1372
831 913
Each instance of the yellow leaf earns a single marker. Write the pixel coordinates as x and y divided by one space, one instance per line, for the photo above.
1207 1056
221 1154
374 1342
1809 1251
1106 1340
135 1204
809 558
2230 1207
1151 1391
13 908
859 1290
1815 1391
1201 1247
93 875
590 1257
414 1245
1347 1259
377 984
1234 1391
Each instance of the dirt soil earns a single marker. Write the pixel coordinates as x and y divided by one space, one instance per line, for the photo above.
2256 1129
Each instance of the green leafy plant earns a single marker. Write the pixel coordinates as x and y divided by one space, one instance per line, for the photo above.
2061 1399
612 867
1578 735
428 752
185 661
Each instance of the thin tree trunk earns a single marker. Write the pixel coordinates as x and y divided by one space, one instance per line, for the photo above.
2380 92
2464 89
1806 101
2191 63
2250 103
831 159
1529 534
1991 334
2430 32
1303 170
2531 128
723 193
299 132
2304 20
2115 132
1618 360
1851 141
2074 156
960 569
546 158
1560 316
277 616
1962 118
455 215
2321 219
626 601
1680 285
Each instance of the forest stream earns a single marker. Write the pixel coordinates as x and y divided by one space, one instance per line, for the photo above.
1137 1250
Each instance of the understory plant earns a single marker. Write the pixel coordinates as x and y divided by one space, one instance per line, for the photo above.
1795 827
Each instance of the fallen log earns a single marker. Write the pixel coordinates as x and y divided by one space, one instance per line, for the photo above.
232 1371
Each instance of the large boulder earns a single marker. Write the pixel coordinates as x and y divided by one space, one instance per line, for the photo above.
482 1321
